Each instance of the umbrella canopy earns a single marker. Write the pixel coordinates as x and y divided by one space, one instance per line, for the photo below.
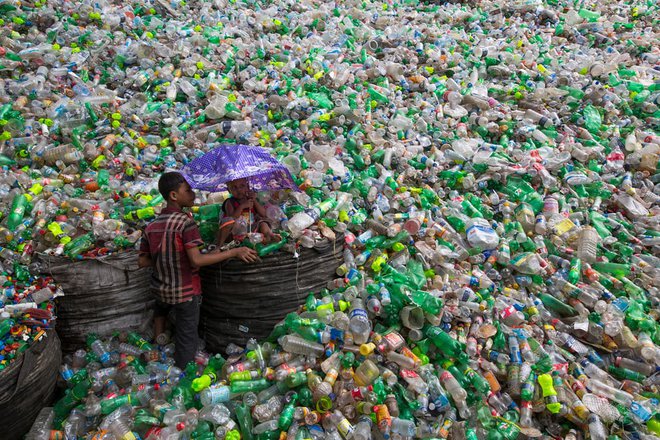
212 171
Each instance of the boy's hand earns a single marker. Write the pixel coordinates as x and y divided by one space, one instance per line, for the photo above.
144 260
248 204
245 254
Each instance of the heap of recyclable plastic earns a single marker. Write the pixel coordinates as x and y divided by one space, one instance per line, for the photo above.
492 166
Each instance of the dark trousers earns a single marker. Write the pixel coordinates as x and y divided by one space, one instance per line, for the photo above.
186 336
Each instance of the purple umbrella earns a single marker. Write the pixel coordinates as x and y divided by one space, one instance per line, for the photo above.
212 171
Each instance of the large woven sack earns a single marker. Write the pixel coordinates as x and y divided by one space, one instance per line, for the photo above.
101 295
28 385
242 301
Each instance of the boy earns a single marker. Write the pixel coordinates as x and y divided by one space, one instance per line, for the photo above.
170 245
243 204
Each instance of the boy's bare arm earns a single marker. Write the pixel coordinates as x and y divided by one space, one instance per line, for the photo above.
260 210
198 259
144 260
230 210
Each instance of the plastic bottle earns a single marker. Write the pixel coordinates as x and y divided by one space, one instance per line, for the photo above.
587 251
297 345
359 324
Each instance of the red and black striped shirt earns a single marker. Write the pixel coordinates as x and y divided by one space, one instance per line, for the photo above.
174 279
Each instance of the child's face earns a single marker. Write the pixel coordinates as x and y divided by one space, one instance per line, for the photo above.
239 188
185 196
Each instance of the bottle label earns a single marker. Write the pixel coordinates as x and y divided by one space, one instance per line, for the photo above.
408 374
476 229
576 178
564 226
67 374
640 412
358 312
465 294
394 340
344 427
441 402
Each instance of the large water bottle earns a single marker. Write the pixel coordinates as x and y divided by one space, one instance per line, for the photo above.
588 245
359 324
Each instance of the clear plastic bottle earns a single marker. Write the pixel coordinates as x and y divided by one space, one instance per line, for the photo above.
215 394
362 430
298 345
359 324
597 429
588 245
480 234
452 386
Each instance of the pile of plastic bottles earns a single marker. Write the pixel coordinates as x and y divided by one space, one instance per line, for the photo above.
331 375
26 311
493 168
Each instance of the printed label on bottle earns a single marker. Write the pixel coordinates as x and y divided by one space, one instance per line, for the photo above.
465 295
358 312
344 427
639 411
564 226
475 229
67 374
394 340
408 374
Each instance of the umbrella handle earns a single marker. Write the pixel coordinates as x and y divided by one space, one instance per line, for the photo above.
250 213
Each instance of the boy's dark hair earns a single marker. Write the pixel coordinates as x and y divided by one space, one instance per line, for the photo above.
169 182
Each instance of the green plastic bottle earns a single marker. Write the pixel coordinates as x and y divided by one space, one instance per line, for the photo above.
249 385
17 211
556 305
210 374
244 418
79 245
139 341
286 416
446 344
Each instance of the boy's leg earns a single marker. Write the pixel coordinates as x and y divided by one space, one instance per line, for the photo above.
160 323
264 228
161 311
223 235
225 230
186 339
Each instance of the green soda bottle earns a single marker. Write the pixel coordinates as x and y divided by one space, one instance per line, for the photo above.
17 211
210 374
139 341
72 398
249 385
266 249
615 269
286 416
78 245
244 418
446 344
427 302
109 405
556 305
